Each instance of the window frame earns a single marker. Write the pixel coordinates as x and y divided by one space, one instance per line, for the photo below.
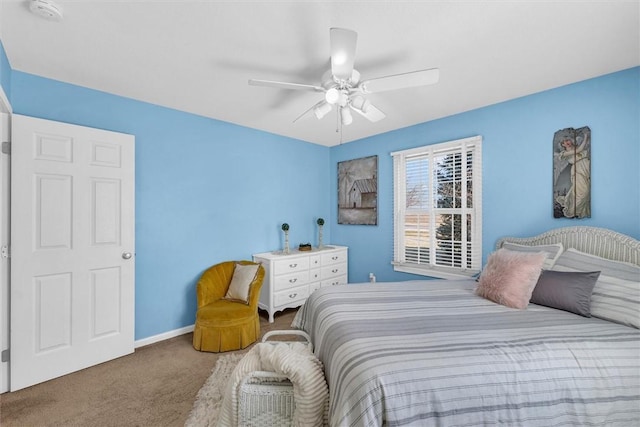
460 146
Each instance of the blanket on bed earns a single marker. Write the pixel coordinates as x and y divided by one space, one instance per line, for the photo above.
432 353
302 368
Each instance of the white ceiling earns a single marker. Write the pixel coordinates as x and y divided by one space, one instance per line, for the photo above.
197 56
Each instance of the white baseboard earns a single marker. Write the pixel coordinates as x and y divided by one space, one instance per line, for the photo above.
163 336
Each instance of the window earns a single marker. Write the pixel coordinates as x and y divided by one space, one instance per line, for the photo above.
438 209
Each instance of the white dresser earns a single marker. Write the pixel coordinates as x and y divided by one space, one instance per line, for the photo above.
290 279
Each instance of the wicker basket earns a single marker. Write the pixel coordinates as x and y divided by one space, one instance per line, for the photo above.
266 398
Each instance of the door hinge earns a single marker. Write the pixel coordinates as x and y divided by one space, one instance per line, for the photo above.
6 147
5 252
6 355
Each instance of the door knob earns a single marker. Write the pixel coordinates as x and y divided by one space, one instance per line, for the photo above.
126 255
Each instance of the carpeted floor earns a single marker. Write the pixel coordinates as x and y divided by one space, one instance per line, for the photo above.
206 408
155 386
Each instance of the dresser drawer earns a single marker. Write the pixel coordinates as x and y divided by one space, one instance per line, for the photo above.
291 265
334 257
313 286
315 274
287 281
333 270
339 280
292 295
315 261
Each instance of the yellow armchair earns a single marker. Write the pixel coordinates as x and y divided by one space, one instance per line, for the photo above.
223 324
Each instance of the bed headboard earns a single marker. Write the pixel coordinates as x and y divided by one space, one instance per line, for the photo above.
602 242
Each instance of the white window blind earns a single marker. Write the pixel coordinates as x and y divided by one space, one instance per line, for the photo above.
438 209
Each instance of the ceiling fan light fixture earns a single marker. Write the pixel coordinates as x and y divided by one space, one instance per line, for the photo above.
345 116
355 77
322 110
332 95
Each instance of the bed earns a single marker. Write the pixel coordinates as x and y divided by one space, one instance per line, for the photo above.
433 352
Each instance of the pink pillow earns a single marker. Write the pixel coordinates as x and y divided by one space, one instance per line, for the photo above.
509 277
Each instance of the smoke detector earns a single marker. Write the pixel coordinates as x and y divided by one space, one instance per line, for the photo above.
46 9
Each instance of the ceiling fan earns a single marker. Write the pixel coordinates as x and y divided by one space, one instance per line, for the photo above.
342 86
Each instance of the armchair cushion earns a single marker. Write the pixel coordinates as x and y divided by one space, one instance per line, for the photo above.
243 277
223 312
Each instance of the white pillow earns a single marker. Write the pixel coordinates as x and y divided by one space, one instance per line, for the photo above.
243 276
616 295
553 251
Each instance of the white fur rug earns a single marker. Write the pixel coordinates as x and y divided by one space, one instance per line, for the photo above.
206 408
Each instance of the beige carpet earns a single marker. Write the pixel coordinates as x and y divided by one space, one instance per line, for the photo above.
206 408
155 386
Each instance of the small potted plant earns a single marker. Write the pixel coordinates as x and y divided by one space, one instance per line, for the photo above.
320 223
285 228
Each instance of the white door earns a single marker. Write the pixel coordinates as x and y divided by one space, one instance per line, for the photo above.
72 238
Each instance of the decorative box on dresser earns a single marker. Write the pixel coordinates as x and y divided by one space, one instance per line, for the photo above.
290 279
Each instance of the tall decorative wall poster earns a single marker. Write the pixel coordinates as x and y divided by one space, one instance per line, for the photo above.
358 191
572 173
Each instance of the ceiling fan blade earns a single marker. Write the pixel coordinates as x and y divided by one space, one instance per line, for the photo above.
343 52
401 81
373 114
283 85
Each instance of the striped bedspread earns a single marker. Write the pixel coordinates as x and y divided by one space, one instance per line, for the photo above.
431 353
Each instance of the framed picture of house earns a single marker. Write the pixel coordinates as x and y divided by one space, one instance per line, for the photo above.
358 191
572 173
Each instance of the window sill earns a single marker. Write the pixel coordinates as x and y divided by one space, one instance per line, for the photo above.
438 274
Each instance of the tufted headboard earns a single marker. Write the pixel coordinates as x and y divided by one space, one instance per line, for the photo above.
597 241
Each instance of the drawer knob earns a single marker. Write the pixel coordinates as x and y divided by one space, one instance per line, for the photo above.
293 295
293 265
294 280
335 270
334 258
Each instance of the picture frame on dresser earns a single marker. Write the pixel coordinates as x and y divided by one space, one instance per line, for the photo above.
290 278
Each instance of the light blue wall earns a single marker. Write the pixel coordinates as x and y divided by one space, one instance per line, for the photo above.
517 166
206 191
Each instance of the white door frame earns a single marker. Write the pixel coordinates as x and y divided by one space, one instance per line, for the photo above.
5 176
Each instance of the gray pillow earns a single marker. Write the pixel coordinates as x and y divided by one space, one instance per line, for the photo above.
566 290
